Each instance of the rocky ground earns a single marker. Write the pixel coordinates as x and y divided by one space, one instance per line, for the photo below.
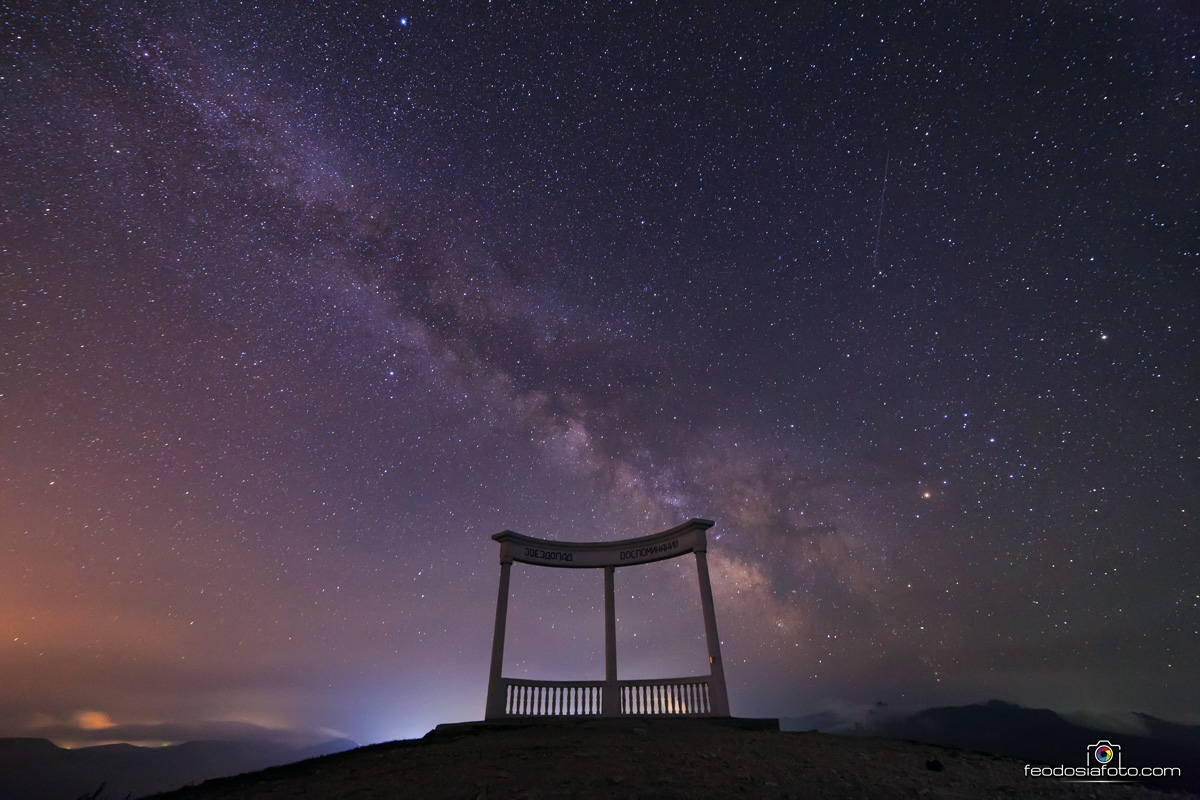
648 760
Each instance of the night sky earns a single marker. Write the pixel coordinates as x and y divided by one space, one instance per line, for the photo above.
301 305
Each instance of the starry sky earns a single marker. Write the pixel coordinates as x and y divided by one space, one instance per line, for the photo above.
302 304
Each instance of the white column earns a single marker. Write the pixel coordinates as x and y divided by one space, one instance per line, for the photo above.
611 700
720 699
496 699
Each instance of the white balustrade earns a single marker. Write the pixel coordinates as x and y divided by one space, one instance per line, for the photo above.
658 697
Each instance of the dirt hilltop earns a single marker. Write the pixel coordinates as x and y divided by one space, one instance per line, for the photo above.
648 759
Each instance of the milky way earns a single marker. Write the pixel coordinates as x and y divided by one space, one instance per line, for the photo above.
300 306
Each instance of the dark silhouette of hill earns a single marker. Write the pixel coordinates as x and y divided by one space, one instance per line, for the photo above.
37 769
1041 736
647 758
989 745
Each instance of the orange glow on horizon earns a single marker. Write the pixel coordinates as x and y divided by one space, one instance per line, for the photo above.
93 720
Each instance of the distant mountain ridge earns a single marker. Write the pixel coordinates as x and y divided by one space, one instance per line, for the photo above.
1034 735
37 769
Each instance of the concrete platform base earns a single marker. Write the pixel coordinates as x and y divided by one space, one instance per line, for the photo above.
665 723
